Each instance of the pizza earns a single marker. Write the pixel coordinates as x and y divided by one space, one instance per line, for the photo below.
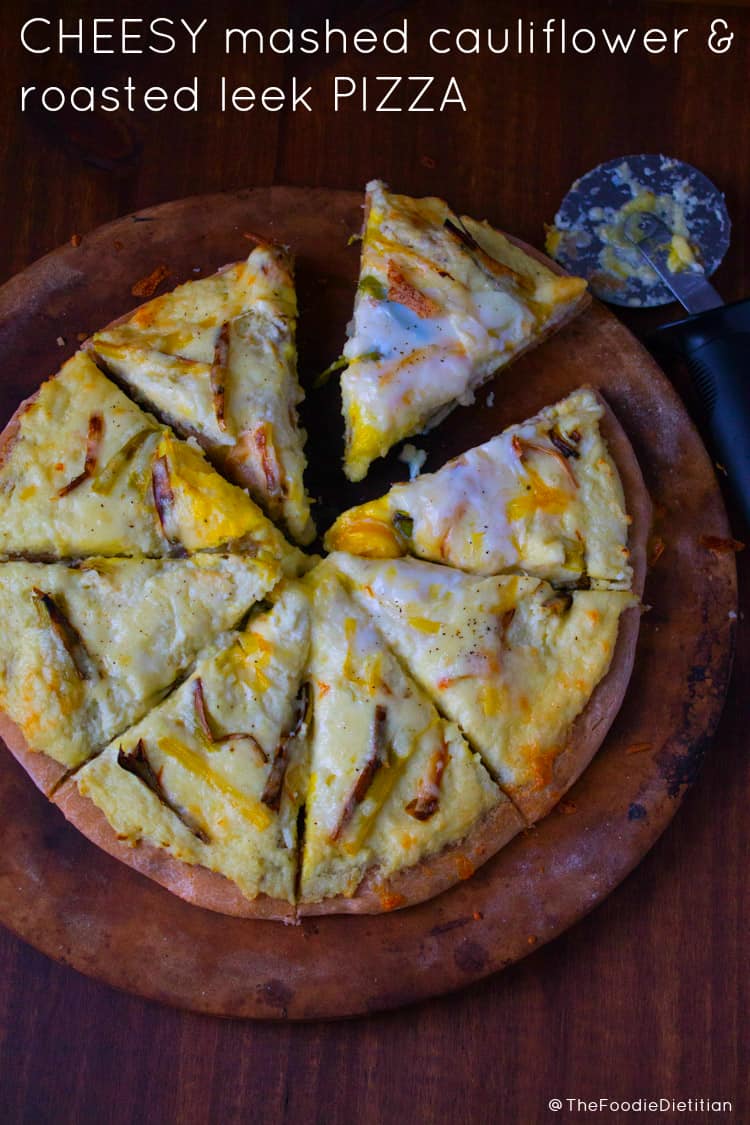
441 304
391 782
97 643
510 659
266 732
84 471
543 498
204 793
216 359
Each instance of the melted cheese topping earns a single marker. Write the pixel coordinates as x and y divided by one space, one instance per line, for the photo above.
114 512
140 624
165 352
355 675
509 660
513 503
433 318
216 788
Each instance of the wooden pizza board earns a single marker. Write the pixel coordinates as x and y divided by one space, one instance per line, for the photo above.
78 905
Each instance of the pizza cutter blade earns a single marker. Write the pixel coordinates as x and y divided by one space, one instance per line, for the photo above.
645 230
588 236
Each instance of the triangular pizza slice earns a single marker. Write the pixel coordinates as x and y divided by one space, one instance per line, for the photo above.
84 471
442 303
398 808
96 644
203 794
510 660
543 497
216 359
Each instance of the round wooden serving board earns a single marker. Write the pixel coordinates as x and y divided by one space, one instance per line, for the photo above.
78 905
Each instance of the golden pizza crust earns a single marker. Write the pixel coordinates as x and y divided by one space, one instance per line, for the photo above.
193 883
211 891
430 876
637 499
44 771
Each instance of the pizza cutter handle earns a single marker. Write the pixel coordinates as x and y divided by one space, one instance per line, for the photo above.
716 347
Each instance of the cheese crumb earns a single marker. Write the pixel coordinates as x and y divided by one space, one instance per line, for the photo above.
414 458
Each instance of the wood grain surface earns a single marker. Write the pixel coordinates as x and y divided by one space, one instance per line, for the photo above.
647 997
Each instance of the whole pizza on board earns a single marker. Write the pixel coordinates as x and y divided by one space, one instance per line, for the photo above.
274 734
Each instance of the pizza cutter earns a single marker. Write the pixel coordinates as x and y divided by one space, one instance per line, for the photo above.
646 230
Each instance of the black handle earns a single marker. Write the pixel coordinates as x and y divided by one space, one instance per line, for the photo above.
716 346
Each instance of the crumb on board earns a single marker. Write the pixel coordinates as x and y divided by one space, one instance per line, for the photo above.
147 286
721 545
657 549
75 240
60 341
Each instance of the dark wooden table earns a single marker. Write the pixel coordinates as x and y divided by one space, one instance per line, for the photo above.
647 997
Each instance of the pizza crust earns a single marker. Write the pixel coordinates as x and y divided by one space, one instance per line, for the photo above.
211 891
637 499
430 876
44 771
193 883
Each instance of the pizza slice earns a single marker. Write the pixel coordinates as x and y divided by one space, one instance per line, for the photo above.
216 359
84 471
522 669
203 794
442 303
543 497
98 643
398 808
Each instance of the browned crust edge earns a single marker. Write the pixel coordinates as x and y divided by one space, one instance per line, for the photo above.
430 876
44 771
193 883
9 434
637 500
555 323
591 726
